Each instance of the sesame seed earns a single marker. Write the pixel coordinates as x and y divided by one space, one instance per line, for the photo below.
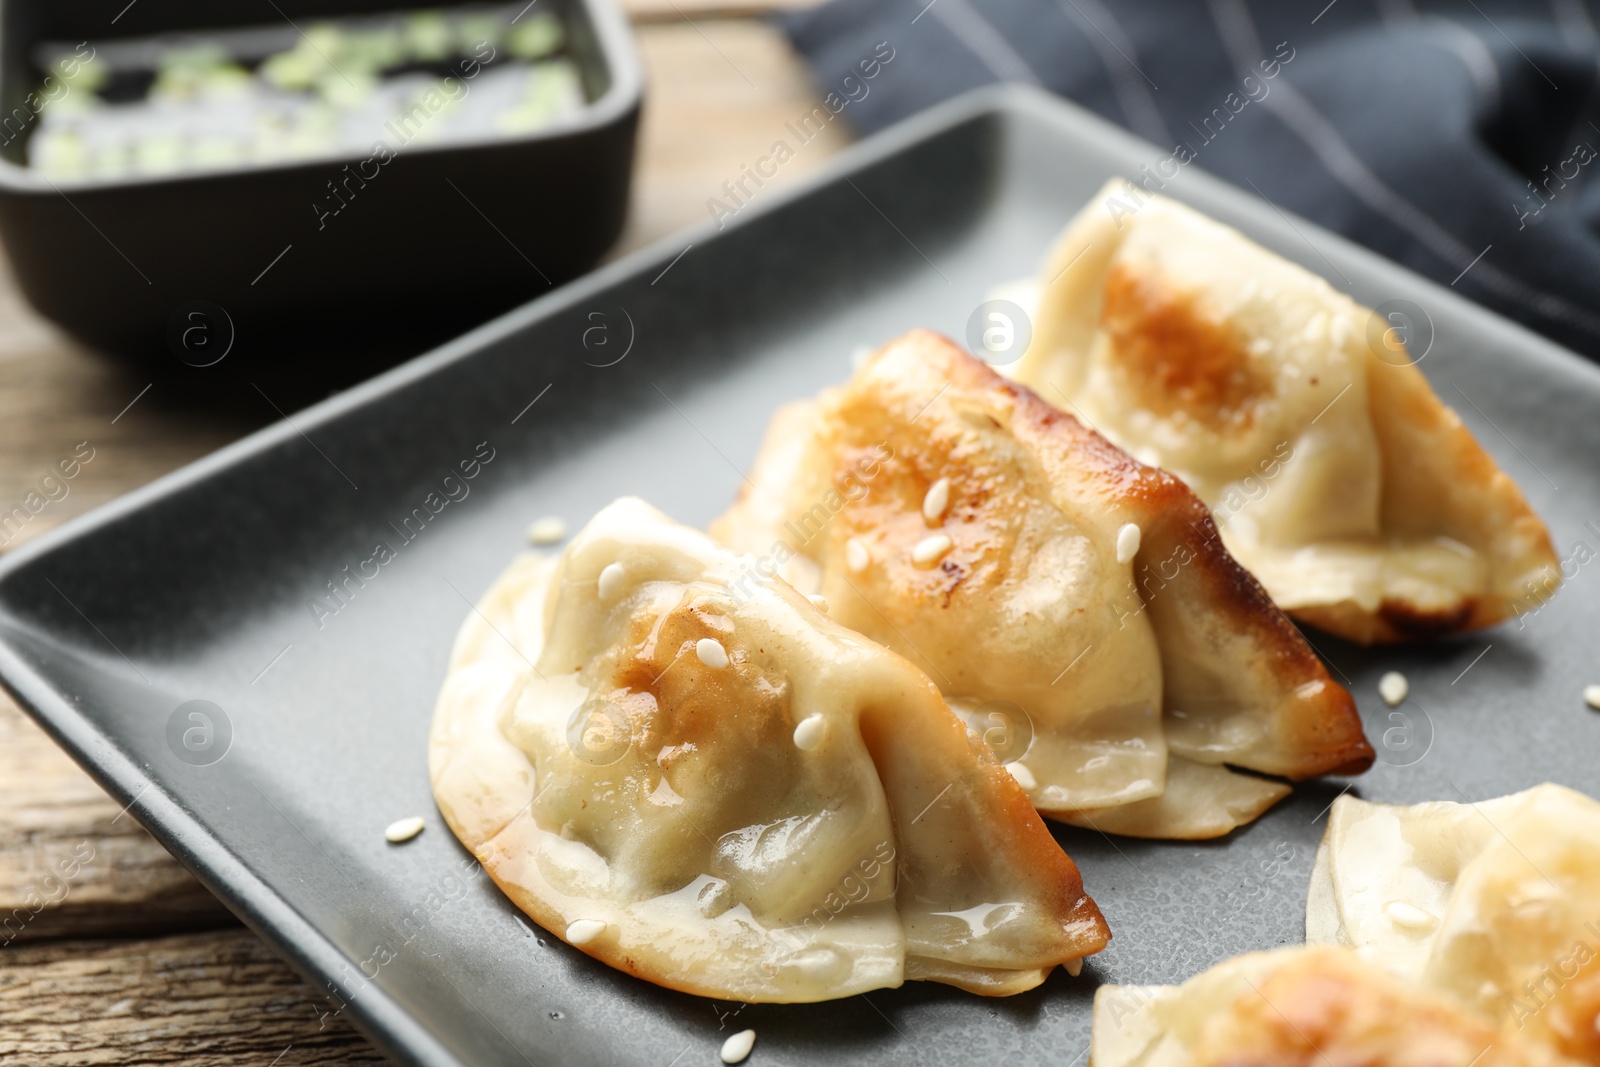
1073 967
714 899
1024 777
808 734
931 550
711 653
1409 916
820 964
856 556
548 530
737 1047
1393 687
1591 696
1128 542
611 577
584 931
403 829
819 602
936 502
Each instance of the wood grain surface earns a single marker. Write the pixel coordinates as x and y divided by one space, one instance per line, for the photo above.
110 952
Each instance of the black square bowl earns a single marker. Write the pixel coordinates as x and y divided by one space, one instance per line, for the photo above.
442 237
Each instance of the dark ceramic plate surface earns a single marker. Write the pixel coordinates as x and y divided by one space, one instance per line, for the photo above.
656 376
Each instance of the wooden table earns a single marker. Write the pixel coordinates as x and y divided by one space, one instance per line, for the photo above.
132 961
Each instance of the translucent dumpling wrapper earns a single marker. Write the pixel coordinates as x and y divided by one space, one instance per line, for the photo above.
1335 473
1315 1006
1495 903
736 797
1074 605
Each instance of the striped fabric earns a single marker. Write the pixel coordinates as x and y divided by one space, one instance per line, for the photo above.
1458 138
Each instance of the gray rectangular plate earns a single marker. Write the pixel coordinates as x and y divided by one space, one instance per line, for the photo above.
199 587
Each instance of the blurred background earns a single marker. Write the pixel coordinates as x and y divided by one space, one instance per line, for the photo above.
217 214
132 960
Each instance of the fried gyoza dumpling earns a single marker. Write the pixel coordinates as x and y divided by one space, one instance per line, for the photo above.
1297 1007
1046 582
1496 904
736 797
1336 475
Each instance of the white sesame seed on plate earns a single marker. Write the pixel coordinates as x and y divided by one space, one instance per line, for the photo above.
402 830
737 1047
611 576
711 653
548 530
1128 542
856 556
819 602
714 899
931 550
1591 696
1393 687
937 501
583 931
808 733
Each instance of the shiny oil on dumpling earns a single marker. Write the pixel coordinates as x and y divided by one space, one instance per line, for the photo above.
1075 606
736 797
1336 475
1317 1006
1495 903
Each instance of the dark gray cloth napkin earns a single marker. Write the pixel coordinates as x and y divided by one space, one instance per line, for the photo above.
1457 138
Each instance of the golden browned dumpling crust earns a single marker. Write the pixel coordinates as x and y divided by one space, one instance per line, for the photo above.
1027 564
1496 904
1442 934
1298 1007
736 796
1336 475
